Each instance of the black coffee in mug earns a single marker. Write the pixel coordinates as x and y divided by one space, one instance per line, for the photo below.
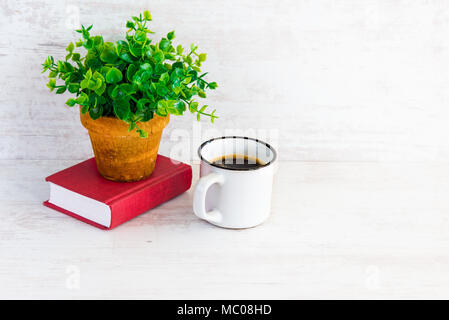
237 161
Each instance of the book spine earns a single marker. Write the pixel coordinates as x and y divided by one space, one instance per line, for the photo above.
134 204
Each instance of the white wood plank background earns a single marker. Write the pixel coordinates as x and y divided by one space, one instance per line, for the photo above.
325 80
352 93
337 230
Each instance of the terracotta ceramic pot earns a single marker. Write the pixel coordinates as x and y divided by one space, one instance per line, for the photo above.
123 155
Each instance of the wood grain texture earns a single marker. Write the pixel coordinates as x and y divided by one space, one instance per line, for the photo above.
352 93
334 80
337 230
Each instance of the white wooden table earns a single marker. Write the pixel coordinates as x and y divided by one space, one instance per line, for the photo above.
338 230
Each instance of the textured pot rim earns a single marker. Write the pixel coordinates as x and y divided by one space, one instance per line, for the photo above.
115 127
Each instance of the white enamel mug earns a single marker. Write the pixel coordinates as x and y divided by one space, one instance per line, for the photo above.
234 197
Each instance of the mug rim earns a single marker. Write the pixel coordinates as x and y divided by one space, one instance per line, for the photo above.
238 137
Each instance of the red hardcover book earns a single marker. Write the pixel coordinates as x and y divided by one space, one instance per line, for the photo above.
81 192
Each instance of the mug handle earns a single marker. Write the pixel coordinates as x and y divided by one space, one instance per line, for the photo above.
199 197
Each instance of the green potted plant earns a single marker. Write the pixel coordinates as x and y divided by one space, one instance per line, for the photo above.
126 91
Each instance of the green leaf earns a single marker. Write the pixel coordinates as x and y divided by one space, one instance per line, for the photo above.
84 109
140 36
158 56
142 133
96 112
193 74
91 84
98 84
126 57
145 76
202 94
88 74
121 108
180 106
98 76
130 72
109 53
122 91
175 107
122 46
70 47
88 44
60 66
187 80
146 66
147 15
51 84
82 99
99 91
98 40
202 57
130 24
84 84
161 108
114 75
144 114
73 87
92 61
187 93
110 89
212 85
76 56
161 89
61 90
164 44
179 71
135 50
176 89
132 126
213 116
140 79
179 49
164 78
71 102
171 35
193 106
188 59
148 115
160 68
169 56
68 67
141 104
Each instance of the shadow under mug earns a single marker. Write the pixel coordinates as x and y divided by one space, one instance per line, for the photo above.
234 197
